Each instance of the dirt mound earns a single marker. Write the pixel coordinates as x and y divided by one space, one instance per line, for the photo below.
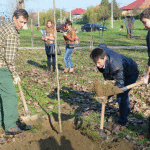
105 90
45 137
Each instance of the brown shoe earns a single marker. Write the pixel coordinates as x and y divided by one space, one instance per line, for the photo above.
66 70
71 70
13 131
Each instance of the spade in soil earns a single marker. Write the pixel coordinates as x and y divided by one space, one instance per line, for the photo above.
108 90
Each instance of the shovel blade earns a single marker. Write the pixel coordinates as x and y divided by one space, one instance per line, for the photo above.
105 90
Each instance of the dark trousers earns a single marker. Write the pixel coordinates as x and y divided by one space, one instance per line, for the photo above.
49 57
149 125
123 99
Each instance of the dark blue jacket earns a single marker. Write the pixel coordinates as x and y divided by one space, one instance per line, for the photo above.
117 67
148 46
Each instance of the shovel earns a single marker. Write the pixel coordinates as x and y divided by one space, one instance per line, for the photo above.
108 90
27 118
114 89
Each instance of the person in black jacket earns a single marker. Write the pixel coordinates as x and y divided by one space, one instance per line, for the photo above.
145 18
120 68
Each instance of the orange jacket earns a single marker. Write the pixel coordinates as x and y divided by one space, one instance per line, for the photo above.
70 37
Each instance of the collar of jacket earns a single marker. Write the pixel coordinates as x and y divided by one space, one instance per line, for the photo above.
13 24
72 28
107 65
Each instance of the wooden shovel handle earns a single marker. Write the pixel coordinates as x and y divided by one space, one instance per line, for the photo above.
102 117
23 99
102 114
132 85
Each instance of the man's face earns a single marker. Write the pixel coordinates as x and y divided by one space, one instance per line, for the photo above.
101 62
146 23
20 22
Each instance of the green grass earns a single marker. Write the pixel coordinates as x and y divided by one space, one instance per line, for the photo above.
112 37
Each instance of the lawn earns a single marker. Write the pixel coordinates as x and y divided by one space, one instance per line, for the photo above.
112 37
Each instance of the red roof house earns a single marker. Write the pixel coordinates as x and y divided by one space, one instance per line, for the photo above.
78 11
136 5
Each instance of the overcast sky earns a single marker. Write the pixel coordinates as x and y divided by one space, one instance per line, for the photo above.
35 5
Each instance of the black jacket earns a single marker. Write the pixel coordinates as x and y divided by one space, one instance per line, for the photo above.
148 46
117 67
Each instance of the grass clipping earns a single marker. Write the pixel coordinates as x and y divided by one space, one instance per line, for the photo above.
105 90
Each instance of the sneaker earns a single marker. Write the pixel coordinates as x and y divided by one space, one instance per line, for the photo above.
13 131
71 70
66 70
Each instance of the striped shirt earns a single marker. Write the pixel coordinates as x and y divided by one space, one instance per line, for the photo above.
9 43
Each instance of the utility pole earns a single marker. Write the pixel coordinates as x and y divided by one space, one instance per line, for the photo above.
112 13
60 16
70 13
38 20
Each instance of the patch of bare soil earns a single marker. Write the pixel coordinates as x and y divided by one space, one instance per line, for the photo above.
45 136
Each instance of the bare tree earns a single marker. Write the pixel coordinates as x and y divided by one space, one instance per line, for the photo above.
20 4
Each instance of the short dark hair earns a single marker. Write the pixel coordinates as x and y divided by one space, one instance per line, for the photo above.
68 22
21 12
97 53
145 14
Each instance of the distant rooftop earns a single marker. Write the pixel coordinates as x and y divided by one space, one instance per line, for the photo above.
78 11
137 4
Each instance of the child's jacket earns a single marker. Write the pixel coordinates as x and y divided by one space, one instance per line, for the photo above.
117 67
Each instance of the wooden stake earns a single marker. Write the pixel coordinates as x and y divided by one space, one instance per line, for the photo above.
91 40
103 113
31 34
58 89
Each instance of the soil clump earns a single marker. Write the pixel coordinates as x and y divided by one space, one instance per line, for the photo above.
105 90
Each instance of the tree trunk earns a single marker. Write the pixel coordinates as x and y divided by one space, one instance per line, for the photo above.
20 4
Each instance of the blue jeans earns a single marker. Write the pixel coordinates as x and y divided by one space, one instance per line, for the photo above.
123 99
68 58
47 48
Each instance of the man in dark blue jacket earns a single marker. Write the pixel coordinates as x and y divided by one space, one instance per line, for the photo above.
120 68
145 18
